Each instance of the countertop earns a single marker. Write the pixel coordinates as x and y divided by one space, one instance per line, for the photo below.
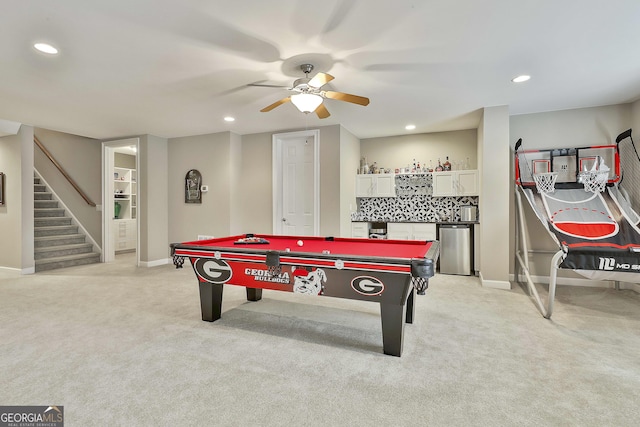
423 222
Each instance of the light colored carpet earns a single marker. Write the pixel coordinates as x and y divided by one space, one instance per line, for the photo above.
120 345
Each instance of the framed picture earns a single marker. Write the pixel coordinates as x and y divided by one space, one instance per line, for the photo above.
192 187
1 189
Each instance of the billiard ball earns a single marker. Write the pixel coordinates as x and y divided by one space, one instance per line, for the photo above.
300 243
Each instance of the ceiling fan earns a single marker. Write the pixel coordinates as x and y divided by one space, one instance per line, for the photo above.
309 94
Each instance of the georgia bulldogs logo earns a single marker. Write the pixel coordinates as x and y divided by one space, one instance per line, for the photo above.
308 282
213 270
367 285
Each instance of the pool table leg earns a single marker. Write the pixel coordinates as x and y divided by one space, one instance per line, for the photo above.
393 318
254 294
411 308
211 301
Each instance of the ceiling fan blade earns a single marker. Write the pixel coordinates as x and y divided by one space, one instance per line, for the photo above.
320 80
276 104
354 99
322 112
261 85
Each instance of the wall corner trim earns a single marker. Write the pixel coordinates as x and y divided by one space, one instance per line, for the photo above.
495 284
155 263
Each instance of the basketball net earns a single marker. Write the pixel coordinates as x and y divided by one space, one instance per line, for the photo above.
546 181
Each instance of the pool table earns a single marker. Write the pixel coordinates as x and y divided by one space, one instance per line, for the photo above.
387 272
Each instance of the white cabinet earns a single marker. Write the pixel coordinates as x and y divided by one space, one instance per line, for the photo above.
455 183
125 234
411 231
376 185
360 229
125 193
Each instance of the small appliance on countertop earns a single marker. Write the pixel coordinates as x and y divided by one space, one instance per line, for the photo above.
468 213
378 233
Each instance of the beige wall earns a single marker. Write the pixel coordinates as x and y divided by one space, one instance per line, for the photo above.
255 185
127 161
349 162
16 216
399 151
81 158
256 206
560 129
211 155
330 180
153 200
235 171
495 188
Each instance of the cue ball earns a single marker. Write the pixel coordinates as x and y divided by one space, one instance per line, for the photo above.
287 250
300 243
326 251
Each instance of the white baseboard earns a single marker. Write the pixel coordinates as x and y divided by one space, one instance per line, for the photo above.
577 281
29 270
495 284
155 263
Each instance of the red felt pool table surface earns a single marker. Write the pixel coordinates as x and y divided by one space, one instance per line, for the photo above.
336 246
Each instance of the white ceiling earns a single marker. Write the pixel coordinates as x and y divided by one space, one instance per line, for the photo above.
177 67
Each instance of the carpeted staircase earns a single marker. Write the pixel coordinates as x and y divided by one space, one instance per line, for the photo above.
58 242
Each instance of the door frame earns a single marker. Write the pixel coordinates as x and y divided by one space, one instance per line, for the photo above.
108 247
277 140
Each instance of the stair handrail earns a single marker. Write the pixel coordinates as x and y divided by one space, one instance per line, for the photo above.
63 172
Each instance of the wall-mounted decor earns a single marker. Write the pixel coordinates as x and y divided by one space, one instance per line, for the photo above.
1 189
192 187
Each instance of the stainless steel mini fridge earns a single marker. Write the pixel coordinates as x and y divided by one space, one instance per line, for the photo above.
455 249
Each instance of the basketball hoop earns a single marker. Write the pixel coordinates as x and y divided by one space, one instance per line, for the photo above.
594 181
546 181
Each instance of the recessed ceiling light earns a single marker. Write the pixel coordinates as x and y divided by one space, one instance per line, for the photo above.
410 127
520 79
46 48
229 119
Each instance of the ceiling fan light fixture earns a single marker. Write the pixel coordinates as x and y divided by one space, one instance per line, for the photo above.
306 102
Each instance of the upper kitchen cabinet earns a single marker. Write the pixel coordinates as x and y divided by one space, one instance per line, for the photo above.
376 185
455 183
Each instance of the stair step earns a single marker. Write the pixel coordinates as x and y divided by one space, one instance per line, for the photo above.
59 240
62 251
48 212
47 222
55 230
42 196
43 204
67 261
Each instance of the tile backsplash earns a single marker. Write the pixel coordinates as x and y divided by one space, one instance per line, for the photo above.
414 203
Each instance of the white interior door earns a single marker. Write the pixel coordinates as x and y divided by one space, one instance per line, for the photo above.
296 184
